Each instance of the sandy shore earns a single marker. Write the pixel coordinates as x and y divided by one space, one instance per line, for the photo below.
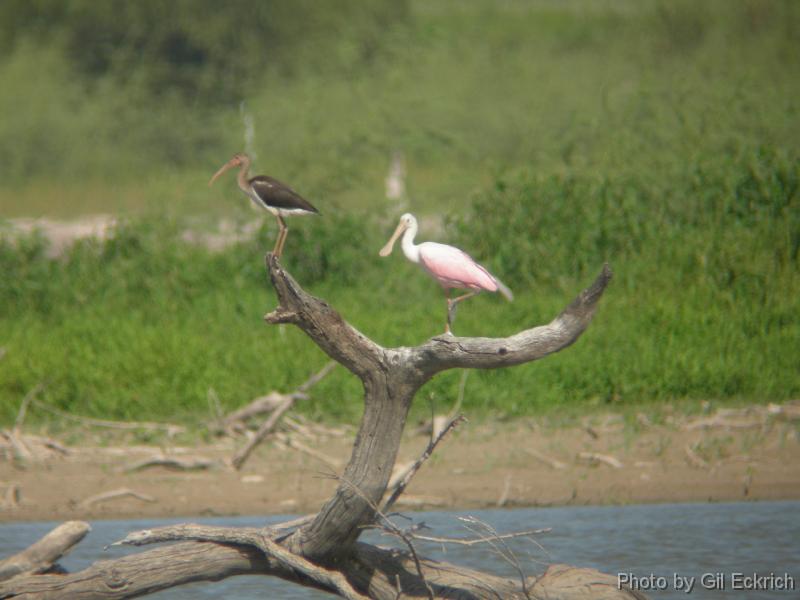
481 465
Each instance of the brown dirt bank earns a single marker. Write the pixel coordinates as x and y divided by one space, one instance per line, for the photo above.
480 465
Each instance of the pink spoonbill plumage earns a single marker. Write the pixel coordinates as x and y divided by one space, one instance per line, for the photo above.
451 267
270 194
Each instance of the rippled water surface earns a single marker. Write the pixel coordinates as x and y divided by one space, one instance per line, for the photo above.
652 543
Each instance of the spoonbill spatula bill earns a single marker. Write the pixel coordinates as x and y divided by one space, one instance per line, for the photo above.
270 194
451 267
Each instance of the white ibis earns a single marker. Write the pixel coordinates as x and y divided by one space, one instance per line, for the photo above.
451 267
269 194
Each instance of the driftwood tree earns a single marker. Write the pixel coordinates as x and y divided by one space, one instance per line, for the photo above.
323 550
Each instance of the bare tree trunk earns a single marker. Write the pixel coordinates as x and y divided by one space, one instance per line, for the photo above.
319 551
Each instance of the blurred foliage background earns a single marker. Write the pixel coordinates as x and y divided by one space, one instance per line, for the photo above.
542 137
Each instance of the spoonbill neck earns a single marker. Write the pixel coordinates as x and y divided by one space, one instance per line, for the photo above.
410 249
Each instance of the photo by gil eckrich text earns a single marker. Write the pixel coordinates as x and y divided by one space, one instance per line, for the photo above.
720 581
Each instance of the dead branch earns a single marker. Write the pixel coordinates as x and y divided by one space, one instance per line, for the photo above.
50 444
290 442
789 411
11 497
271 401
499 545
751 417
259 406
501 501
43 554
170 429
114 495
20 452
596 457
450 352
266 428
23 407
694 459
725 422
405 478
373 570
189 463
284 404
479 540
316 377
246 536
418 502
543 458
294 425
23 448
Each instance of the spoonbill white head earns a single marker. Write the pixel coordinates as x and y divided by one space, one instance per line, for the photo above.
407 221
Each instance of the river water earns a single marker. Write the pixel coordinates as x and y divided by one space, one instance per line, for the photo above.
655 546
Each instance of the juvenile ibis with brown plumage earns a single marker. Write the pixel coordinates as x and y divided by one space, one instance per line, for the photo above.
451 267
270 194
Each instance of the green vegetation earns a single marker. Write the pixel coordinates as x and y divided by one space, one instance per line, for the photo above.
660 136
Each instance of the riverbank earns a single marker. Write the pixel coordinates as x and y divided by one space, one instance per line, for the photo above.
743 454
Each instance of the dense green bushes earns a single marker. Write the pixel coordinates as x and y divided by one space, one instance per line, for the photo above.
728 223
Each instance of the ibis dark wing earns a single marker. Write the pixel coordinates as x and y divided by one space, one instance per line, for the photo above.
279 195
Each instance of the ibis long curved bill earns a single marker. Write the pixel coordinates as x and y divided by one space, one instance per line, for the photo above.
228 165
270 194
451 267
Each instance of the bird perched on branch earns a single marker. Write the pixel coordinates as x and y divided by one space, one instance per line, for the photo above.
269 194
451 267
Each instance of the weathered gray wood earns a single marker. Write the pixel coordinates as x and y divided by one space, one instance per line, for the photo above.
147 572
375 571
391 378
42 555
449 352
248 536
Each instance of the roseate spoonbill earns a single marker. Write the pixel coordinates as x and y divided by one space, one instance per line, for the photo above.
269 194
451 267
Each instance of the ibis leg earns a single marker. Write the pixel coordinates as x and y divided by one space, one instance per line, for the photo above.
283 230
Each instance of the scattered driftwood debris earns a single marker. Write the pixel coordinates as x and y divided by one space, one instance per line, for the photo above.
751 417
543 458
21 448
43 555
170 429
187 463
596 457
694 459
503 499
11 496
116 495
277 405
